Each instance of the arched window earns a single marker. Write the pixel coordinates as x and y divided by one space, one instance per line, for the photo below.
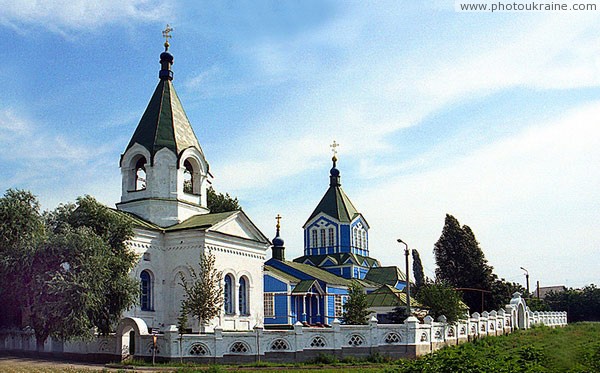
322 237
243 296
228 296
354 237
146 291
331 238
313 238
364 239
188 178
140 174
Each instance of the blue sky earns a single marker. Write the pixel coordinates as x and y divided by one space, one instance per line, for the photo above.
493 118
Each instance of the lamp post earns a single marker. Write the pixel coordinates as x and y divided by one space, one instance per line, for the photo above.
527 279
406 253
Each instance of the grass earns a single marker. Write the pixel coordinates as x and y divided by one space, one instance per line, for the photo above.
574 348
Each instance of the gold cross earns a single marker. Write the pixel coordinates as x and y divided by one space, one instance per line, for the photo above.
334 147
278 217
167 34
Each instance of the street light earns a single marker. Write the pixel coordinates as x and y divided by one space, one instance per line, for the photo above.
527 279
406 253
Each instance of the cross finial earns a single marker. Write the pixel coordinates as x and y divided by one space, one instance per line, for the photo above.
278 218
334 148
167 35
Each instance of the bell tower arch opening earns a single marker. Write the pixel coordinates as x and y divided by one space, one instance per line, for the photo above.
139 175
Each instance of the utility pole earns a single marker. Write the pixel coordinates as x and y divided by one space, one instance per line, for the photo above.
406 254
527 279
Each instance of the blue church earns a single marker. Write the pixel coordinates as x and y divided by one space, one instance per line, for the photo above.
313 288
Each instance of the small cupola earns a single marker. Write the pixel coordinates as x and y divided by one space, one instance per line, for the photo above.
166 58
278 244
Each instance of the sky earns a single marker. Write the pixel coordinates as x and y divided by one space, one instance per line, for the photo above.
493 118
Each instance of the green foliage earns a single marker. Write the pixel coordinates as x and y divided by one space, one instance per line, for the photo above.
21 232
442 299
581 305
70 266
219 202
203 294
535 304
114 229
501 293
398 315
326 359
355 309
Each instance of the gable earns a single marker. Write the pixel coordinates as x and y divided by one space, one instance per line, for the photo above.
328 262
239 225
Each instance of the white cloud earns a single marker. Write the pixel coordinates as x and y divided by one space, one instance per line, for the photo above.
360 101
63 15
529 200
54 166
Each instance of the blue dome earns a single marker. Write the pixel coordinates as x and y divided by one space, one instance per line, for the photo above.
278 241
334 172
166 56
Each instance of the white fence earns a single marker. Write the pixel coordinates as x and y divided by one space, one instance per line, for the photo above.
410 339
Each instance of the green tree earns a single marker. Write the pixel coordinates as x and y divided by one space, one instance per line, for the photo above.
203 293
219 202
417 270
22 230
355 309
70 277
501 293
580 304
441 299
461 263
115 229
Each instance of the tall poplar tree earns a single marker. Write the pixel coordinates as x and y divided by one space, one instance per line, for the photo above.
461 263
417 270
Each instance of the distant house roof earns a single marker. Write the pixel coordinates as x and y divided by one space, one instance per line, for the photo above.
545 290
385 275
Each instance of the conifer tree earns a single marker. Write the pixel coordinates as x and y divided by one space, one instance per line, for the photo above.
203 293
355 309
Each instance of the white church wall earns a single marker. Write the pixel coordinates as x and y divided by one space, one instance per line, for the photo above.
240 258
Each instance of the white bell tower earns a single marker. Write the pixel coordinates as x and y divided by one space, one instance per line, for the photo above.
164 172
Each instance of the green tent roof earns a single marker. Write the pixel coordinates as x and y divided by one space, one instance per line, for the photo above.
335 203
164 123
